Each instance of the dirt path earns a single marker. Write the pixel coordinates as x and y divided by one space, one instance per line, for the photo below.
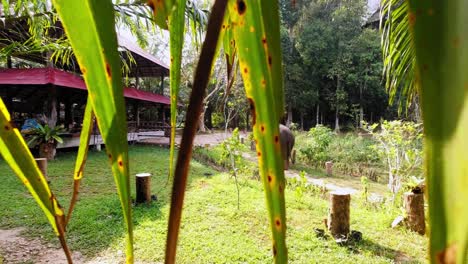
200 139
15 248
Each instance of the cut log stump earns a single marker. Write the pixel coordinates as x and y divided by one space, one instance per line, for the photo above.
42 164
338 215
252 146
329 167
143 188
414 207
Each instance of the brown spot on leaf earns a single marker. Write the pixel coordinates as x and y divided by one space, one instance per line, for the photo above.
252 111
456 42
151 5
448 255
241 7
7 127
262 128
276 139
246 70
259 154
264 41
269 60
425 67
278 223
412 18
110 156
280 188
263 82
269 178
224 26
108 71
275 252
120 163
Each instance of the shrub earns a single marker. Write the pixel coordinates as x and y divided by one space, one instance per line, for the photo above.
400 145
315 148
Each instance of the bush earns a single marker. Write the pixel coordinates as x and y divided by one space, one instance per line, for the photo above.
400 146
315 148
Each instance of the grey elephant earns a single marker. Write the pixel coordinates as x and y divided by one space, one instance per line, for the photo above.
287 144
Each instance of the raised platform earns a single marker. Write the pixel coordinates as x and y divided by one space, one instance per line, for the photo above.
70 142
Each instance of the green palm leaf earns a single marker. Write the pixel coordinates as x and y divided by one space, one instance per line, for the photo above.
398 52
16 153
82 155
440 32
176 22
257 36
90 27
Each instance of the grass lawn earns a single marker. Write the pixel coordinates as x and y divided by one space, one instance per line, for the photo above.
213 229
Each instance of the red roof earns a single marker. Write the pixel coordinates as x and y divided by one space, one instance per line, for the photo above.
44 76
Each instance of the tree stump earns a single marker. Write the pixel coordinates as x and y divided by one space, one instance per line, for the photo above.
252 145
42 164
338 215
329 167
143 188
414 206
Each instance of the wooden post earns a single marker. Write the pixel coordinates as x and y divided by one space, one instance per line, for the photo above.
414 206
143 188
42 164
329 167
338 215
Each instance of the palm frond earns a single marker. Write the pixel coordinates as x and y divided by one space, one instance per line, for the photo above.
398 52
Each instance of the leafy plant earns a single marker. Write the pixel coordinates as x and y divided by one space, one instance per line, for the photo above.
315 149
44 134
232 154
400 145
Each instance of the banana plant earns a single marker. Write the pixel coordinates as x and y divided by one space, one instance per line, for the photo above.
440 33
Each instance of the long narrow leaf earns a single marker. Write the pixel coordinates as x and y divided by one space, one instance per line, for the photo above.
89 25
257 36
176 23
16 153
86 130
440 31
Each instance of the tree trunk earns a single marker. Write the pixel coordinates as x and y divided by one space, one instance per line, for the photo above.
414 206
201 121
209 117
361 115
337 121
289 120
338 216
42 164
317 115
52 113
143 188
47 150
302 121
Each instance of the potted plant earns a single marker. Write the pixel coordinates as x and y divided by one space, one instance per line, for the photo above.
46 138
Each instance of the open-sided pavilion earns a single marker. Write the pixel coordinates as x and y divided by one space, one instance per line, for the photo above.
59 92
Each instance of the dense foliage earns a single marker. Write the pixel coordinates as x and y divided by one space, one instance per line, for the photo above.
333 65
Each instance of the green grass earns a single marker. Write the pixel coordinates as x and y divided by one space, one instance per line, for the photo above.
213 230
